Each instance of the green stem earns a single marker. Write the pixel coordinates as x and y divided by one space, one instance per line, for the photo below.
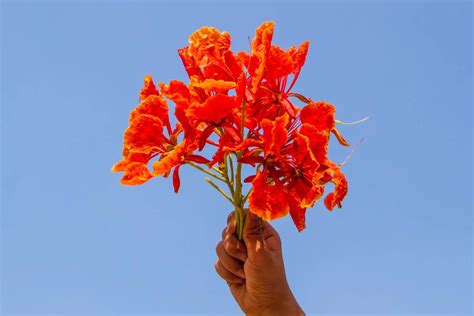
246 196
231 164
215 186
205 171
239 202
226 176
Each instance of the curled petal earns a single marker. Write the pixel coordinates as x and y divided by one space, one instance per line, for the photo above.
267 198
318 141
275 134
176 90
211 84
339 137
136 173
259 51
340 189
120 166
144 135
319 114
148 88
169 160
208 43
299 56
153 105
263 36
279 63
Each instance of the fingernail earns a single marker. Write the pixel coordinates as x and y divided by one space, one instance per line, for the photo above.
241 273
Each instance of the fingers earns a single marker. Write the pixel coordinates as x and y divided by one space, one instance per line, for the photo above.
231 223
226 274
231 264
253 228
234 247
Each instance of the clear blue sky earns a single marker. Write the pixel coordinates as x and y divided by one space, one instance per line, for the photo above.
74 241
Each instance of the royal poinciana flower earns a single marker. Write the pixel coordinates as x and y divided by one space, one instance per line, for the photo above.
243 106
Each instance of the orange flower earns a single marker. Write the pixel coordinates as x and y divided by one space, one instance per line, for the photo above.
209 56
272 93
244 108
208 44
259 50
340 188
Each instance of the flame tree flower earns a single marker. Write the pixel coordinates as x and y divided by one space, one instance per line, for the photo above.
242 106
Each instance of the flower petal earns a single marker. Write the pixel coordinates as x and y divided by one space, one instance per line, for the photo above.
136 173
275 134
298 214
176 180
340 189
319 114
213 110
259 50
212 84
169 160
144 135
267 200
208 43
148 88
153 105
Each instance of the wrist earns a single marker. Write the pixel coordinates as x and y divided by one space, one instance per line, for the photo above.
285 307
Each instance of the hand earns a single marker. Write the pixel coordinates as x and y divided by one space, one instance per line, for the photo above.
254 269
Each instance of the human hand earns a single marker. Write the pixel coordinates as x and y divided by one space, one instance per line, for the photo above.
254 269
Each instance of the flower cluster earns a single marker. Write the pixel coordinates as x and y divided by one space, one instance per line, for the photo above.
243 107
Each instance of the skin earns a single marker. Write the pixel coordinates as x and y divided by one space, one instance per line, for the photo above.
254 269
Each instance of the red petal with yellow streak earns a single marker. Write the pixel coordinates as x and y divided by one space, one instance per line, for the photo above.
340 189
169 160
136 173
212 84
275 134
267 200
259 50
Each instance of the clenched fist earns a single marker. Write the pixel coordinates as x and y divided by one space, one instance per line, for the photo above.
254 270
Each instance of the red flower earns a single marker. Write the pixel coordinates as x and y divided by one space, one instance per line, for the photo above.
242 105
144 136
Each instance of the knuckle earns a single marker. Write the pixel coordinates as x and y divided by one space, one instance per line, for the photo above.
219 247
230 217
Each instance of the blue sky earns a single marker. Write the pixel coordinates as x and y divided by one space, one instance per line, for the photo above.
74 241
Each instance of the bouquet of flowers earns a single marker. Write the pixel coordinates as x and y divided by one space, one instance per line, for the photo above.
243 108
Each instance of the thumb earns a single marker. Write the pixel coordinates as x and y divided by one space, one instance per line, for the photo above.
253 233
